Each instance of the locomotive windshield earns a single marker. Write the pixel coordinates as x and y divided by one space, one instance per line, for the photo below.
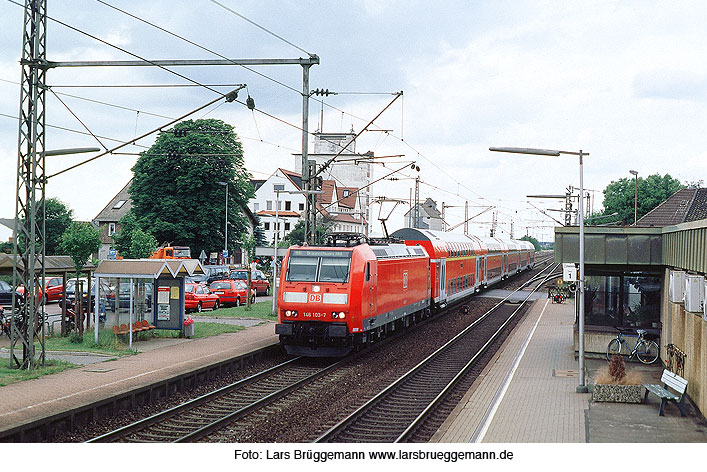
318 266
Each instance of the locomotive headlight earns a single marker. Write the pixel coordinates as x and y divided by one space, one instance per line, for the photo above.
288 313
342 315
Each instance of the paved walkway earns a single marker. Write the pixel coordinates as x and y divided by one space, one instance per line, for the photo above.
528 395
28 401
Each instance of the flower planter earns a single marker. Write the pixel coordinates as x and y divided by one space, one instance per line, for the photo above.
618 393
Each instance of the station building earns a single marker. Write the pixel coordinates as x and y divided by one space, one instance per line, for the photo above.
651 276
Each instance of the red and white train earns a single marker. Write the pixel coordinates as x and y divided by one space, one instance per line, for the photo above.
333 299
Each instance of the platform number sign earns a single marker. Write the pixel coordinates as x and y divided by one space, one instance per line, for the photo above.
405 279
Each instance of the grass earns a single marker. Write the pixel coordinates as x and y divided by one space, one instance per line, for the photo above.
9 376
260 311
111 345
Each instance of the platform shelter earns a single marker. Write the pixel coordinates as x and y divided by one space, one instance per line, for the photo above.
148 289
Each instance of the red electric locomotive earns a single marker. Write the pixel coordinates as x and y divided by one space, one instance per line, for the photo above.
332 299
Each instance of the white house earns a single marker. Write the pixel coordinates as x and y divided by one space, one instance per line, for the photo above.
290 205
340 204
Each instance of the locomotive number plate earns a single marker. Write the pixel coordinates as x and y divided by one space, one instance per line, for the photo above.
309 314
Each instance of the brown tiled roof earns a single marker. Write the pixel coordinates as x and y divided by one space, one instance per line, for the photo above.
687 204
698 209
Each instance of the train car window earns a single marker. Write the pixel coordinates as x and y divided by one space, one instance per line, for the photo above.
334 269
368 271
302 268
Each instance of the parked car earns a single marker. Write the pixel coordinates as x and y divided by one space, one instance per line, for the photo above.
106 294
198 296
216 272
6 294
258 280
53 288
232 292
124 295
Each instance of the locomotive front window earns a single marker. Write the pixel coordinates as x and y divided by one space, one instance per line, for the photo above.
334 269
302 269
318 266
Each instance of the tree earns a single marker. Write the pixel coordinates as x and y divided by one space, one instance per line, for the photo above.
532 240
176 194
80 241
142 244
619 196
296 236
131 241
58 220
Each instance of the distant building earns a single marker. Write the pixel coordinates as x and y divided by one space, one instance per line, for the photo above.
339 204
108 220
350 169
685 205
429 216
108 223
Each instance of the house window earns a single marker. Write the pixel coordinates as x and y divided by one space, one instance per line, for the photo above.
287 226
119 204
288 205
111 229
256 207
269 204
267 226
301 206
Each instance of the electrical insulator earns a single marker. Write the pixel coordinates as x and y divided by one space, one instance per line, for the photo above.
250 103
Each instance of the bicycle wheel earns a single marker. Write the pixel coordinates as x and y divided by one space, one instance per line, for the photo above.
614 348
647 351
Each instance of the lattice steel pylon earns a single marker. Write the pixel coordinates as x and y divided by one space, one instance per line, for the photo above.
27 326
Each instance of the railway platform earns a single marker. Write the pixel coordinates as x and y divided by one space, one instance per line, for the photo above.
59 394
528 394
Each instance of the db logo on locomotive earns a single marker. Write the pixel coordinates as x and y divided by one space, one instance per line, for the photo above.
314 298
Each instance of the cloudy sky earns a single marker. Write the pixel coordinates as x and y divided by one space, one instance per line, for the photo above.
624 81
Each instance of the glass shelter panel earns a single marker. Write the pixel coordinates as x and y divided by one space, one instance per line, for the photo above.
625 300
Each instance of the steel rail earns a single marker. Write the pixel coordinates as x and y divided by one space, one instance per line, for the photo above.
191 404
420 418
353 417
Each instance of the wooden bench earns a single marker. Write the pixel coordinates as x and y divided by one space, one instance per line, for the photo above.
673 381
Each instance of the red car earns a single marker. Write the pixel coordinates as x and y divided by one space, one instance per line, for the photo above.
232 291
197 297
53 288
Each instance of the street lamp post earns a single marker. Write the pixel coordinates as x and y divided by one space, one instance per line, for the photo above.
635 196
225 229
582 387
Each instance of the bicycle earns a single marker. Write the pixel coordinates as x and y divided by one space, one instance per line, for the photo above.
646 351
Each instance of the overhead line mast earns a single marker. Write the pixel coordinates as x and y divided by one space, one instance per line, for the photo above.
29 232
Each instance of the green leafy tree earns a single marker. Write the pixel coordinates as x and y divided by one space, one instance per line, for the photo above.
296 236
619 197
131 241
176 194
142 244
532 240
58 220
80 241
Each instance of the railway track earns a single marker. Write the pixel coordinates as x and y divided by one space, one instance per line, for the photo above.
199 417
399 412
